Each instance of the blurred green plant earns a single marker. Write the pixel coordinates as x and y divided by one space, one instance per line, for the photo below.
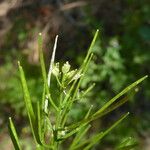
10 89
49 120
131 60
107 65
121 57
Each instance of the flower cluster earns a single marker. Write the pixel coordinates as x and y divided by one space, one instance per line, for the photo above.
65 73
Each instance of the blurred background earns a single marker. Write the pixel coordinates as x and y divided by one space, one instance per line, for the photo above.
122 55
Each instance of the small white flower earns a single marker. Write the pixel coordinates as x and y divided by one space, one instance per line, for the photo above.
55 69
77 76
71 73
63 133
66 67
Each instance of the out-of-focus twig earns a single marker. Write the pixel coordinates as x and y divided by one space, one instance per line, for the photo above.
72 5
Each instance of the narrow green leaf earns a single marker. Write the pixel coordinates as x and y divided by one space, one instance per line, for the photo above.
13 135
82 70
98 137
28 104
86 62
86 142
39 120
42 122
99 113
87 90
115 106
79 136
81 130
27 98
76 88
128 88
88 112
128 147
42 63
66 103
43 98
90 48
127 144
70 133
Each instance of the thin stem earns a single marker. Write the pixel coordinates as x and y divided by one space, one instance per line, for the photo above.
52 61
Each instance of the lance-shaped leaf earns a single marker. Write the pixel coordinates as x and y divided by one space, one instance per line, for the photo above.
82 131
87 144
127 144
82 70
40 130
90 49
99 113
97 139
44 74
120 94
87 60
28 104
13 135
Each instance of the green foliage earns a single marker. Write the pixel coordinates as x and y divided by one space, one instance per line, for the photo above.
122 56
10 89
126 144
107 65
51 133
13 135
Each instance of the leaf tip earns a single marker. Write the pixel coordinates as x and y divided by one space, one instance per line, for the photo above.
57 36
18 63
146 76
